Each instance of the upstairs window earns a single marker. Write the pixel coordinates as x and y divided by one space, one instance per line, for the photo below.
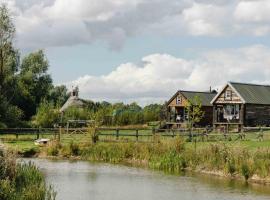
178 100
228 95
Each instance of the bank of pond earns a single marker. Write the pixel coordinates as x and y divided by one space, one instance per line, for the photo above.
102 181
233 162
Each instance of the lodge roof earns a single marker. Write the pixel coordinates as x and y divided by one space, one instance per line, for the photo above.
252 93
73 100
205 97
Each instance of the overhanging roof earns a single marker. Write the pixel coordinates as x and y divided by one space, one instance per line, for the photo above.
249 93
205 97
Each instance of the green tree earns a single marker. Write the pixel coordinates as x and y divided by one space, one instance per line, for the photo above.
58 95
9 60
8 55
34 82
47 115
194 110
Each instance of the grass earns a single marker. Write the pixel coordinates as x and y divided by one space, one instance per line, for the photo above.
21 181
25 143
234 159
231 156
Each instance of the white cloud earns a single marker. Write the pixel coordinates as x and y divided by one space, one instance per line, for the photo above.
204 19
253 11
160 75
45 23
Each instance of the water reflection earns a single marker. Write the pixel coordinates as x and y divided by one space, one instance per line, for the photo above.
87 181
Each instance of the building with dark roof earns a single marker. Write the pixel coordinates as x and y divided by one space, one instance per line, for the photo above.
177 114
242 104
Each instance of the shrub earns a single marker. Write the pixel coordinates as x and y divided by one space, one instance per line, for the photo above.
74 148
21 181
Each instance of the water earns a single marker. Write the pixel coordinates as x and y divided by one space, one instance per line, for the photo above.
90 181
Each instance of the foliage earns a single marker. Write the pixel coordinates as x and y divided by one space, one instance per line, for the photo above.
34 82
21 181
22 85
47 115
194 110
175 156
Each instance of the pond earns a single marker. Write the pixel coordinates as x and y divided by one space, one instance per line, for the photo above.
79 180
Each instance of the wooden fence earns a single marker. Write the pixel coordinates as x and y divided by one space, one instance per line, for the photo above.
202 133
136 133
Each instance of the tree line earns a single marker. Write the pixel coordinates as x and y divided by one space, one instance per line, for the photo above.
29 98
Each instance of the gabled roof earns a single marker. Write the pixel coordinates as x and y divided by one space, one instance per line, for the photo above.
205 97
249 93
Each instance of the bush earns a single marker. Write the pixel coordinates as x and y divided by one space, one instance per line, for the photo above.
74 148
53 149
21 181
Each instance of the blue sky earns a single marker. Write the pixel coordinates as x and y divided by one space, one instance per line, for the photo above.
97 59
145 50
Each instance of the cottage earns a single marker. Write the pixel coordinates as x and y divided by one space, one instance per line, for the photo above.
242 104
73 100
177 114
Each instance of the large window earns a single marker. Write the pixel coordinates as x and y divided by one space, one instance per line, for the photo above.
231 112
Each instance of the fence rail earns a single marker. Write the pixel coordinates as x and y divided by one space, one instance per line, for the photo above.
136 133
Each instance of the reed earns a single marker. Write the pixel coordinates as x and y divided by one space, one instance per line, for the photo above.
22 181
175 156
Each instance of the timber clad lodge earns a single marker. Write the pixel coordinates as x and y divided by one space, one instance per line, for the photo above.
237 104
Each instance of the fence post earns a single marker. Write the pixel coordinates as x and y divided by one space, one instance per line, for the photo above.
117 134
38 133
137 135
60 132
153 131
190 135
261 134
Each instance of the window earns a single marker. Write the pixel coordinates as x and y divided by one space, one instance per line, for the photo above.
228 95
178 100
232 112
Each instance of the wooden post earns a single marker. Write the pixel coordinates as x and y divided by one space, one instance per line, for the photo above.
117 134
60 132
173 133
17 136
153 131
261 134
137 135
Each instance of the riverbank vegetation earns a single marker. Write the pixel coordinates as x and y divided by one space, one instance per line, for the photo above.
174 156
22 181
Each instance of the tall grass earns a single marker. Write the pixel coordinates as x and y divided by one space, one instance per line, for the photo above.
176 156
22 181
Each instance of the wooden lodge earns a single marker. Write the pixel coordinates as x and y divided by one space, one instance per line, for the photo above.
177 114
242 104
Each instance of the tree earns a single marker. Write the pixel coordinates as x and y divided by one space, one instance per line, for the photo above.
34 82
58 95
10 114
47 115
8 55
194 110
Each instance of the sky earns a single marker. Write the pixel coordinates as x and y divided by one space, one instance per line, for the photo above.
146 50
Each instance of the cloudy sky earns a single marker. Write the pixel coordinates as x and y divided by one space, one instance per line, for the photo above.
145 50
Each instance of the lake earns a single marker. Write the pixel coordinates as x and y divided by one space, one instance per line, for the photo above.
79 180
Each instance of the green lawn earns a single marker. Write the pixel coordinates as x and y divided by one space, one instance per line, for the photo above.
26 142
